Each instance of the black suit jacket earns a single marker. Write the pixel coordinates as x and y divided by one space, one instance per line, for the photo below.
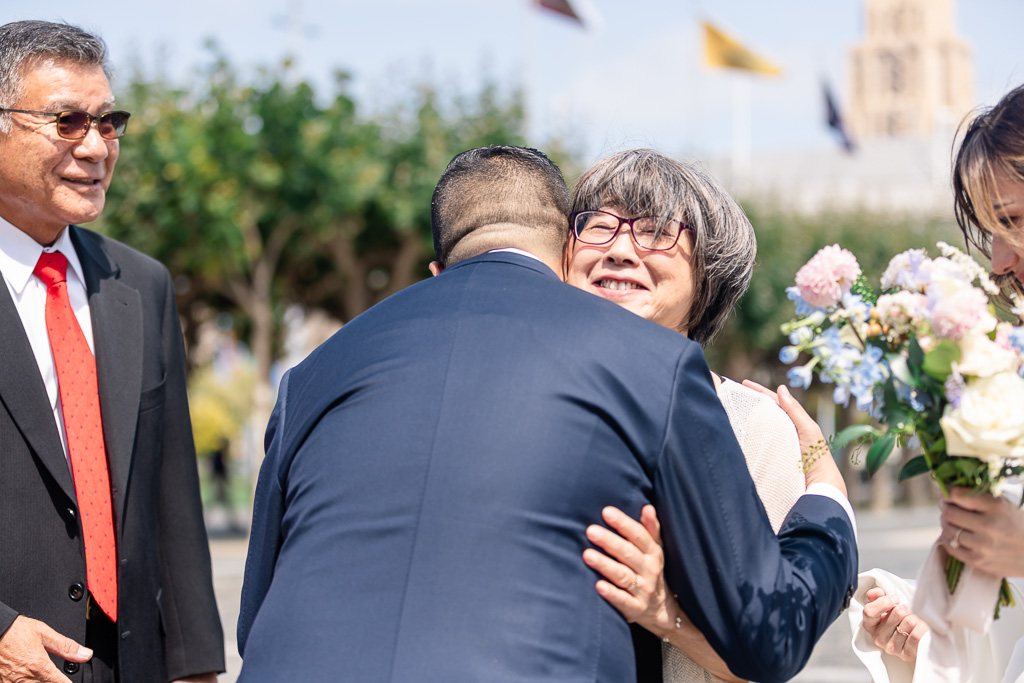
167 615
432 468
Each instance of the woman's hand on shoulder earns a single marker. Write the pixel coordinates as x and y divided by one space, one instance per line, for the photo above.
633 569
892 626
819 465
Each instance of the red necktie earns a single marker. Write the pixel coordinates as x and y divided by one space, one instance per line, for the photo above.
80 401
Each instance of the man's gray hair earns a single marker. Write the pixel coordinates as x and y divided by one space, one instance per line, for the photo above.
642 182
26 44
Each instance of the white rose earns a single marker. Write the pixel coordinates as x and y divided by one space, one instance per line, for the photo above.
982 357
945 279
989 423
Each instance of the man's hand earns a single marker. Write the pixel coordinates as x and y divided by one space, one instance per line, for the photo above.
23 651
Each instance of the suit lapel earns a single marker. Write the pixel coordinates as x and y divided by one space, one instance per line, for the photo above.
116 312
23 393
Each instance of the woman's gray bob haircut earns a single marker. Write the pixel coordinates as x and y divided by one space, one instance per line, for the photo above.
28 43
642 182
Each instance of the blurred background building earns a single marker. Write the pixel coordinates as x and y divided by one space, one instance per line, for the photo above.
910 86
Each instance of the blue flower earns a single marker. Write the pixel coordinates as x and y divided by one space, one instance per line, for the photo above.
799 377
789 354
841 396
801 335
856 308
802 307
1017 338
919 401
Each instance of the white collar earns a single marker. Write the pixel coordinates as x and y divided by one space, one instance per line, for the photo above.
19 254
513 250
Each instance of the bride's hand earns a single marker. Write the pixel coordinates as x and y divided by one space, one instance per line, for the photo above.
989 532
633 569
819 466
892 626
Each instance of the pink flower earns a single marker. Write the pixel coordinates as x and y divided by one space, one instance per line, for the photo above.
902 311
827 276
955 315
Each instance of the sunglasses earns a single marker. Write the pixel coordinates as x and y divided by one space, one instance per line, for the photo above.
74 124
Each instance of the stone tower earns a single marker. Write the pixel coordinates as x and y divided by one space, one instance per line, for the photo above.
911 76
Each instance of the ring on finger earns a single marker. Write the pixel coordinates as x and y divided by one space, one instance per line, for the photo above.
902 632
955 543
632 584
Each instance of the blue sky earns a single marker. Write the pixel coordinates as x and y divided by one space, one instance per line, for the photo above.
635 79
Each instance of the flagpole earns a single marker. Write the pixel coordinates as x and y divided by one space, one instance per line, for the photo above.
529 74
741 125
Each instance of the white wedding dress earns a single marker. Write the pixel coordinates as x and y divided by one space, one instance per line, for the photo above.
993 657
772 450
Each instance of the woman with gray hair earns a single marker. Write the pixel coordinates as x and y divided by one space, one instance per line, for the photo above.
663 240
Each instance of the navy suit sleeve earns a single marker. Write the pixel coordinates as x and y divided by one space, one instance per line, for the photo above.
762 601
268 510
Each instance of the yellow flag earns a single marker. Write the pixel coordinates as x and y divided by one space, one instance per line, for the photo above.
722 51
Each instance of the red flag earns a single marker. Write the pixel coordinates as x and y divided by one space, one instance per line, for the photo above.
562 7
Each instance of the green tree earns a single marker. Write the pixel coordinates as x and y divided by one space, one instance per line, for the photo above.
258 193
367 250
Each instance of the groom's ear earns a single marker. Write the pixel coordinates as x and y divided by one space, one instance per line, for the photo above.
435 268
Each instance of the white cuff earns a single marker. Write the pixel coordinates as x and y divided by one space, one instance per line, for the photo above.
830 491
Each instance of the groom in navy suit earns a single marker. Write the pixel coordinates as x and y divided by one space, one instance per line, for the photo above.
431 469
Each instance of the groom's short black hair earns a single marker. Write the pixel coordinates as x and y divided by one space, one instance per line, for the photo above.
499 196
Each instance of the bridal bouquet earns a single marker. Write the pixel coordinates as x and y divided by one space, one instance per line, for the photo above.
926 356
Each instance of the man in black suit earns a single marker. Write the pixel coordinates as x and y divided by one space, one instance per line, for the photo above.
104 562
432 468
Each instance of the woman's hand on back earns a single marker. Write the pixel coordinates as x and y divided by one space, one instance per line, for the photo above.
635 585
633 568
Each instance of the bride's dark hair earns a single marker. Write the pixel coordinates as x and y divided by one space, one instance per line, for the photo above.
993 144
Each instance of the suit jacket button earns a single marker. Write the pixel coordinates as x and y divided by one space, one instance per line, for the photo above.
847 598
71 513
76 591
70 667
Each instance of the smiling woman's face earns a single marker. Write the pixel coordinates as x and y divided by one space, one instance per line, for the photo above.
657 285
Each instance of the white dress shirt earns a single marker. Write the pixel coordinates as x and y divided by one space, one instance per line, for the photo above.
19 254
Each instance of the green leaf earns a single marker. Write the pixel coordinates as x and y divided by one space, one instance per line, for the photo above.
895 413
900 370
849 435
861 287
939 361
915 357
914 467
879 453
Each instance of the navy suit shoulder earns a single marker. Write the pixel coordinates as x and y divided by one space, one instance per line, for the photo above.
428 487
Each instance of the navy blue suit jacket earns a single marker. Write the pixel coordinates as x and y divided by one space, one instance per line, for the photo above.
431 469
